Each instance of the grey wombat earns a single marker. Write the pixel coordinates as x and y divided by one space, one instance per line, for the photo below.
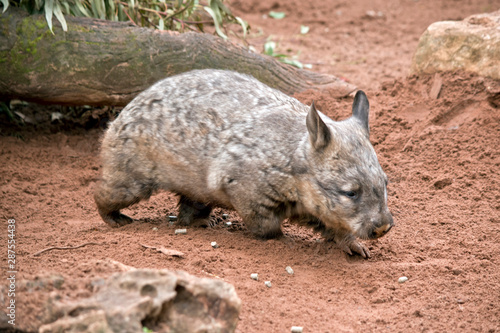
220 138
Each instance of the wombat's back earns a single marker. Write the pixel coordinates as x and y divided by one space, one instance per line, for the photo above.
203 110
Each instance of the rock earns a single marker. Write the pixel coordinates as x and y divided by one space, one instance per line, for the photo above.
471 45
161 300
92 322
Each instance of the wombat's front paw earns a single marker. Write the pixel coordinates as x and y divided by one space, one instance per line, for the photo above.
347 242
117 220
353 245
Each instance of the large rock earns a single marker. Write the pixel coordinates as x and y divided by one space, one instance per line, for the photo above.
161 300
471 45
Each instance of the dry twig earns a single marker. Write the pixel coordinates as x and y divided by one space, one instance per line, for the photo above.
64 248
168 252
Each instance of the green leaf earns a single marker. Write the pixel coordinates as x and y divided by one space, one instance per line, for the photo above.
121 13
216 9
223 7
65 7
80 9
98 9
49 9
5 5
277 15
60 17
216 23
304 29
269 48
243 24
146 330
295 63
161 25
112 10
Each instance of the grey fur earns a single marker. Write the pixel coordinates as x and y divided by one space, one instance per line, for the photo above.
220 138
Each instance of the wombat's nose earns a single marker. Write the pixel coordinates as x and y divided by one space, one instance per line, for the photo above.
384 228
380 231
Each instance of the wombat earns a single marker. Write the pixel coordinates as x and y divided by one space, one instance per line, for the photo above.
220 138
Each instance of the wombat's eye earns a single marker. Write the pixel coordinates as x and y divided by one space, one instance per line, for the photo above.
351 194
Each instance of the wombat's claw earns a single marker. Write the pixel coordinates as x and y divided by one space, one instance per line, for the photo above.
357 247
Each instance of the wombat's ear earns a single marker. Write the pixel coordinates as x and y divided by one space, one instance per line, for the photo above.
360 109
318 131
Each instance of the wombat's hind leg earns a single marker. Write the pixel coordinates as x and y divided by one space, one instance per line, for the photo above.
110 199
110 212
191 211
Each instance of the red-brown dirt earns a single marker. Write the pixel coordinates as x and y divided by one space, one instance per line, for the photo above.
441 156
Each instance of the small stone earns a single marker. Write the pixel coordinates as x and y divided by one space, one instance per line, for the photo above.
289 270
180 231
268 284
255 276
225 216
172 218
372 14
402 279
228 224
297 329
214 245
155 229
54 116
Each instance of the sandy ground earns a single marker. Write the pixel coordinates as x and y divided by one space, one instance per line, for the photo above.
441 156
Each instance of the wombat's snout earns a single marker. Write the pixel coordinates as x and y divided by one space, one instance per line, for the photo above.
381 228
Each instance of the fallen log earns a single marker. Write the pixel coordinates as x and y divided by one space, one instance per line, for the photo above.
99 62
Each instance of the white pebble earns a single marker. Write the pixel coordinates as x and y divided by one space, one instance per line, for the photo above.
228 224
180 231
214 245
225 216
155 229
402 279
254 276
297 329
289 270
268 284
